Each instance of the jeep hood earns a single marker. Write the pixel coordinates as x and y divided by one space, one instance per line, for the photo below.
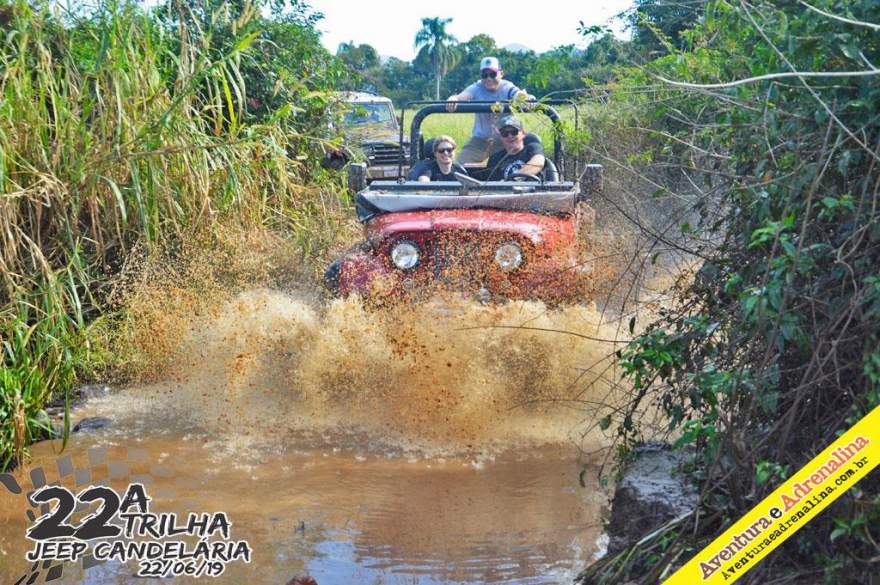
548 199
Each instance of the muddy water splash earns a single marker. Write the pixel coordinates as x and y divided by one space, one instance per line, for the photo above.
435 444
442 375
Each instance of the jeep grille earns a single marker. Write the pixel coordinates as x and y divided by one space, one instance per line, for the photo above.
385 154
460 257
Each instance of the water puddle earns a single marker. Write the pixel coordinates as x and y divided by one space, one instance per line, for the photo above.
440 445
345 518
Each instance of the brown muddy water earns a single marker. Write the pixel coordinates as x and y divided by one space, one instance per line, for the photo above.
441 444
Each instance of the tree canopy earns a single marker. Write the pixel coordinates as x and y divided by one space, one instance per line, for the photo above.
433 39
563 69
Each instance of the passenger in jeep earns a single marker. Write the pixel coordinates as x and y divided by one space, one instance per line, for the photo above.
518 155
442 168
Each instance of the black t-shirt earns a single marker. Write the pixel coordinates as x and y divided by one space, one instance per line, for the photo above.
419 169
502 165
432 169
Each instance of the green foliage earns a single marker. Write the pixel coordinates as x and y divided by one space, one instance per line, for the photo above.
660 26
358 57
44 346
401 81
769 470
270 52
771 351
120 128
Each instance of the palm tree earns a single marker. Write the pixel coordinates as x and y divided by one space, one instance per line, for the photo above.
434 38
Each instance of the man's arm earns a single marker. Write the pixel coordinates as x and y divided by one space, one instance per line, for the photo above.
515 91
464 96
534 166
535 163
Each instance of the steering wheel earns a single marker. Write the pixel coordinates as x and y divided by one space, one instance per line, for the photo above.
527 176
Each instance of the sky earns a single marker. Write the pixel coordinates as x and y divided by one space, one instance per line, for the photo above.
390 27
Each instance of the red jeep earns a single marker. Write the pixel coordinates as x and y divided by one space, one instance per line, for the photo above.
494 239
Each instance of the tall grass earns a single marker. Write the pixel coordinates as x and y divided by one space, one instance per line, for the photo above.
44 344
114 133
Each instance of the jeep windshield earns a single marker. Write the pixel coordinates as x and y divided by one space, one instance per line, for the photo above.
365 114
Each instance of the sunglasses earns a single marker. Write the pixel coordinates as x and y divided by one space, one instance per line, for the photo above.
446 150
509 133
488 74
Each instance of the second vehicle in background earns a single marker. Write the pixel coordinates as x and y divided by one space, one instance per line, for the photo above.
371 128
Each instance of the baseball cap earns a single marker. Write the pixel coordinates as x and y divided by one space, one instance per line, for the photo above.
490 63
509 120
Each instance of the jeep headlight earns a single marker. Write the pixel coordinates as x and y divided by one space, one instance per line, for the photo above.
508 257
405 255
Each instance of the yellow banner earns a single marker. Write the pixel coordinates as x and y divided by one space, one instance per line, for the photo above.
797 501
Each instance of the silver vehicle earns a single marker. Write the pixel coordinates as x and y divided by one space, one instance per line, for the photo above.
371 128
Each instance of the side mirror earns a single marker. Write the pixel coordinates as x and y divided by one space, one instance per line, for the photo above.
357 177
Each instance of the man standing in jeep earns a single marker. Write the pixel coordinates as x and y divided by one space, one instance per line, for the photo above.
518 156
491 88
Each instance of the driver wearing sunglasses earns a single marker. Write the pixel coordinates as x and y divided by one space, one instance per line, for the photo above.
492 87
442 168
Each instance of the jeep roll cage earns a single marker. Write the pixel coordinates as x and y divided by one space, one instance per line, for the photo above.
473 107
544 196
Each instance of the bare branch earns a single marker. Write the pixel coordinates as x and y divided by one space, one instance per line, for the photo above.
803 81
783 75
840 18
615 341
